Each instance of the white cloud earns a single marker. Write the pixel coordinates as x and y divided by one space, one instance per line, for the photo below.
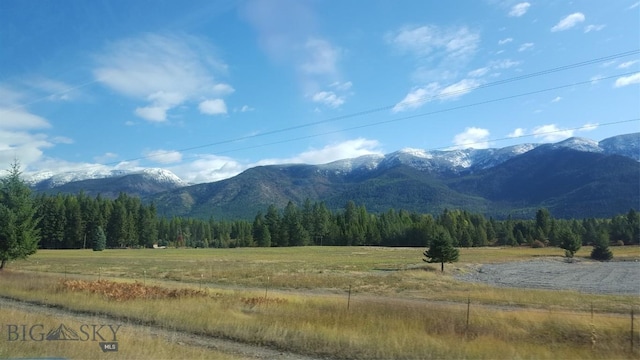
421 95
213 107
460 88
517 133
321 57
105 158
551 133
165 71
505 41
479 72
337 151
627 80
328 98
19 136
589 127
504 64
429 39
163 156
152 113
17 118
556 99
525 47
246 108
596 79
634 5
208 168
590 28
627 64
342 86
417 97
568 22
519 9
472 137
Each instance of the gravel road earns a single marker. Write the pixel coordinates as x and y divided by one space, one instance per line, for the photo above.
614 277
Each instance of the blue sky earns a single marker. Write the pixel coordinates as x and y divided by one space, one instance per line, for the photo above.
209 88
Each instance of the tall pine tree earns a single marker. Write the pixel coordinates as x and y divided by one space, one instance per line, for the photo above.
19 235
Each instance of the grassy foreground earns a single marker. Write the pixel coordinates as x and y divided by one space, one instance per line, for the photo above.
387 315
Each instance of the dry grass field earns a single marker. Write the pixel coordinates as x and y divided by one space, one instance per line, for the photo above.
329 302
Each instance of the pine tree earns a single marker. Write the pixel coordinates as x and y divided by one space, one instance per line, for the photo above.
19 235
441 249
99 240
570 242
601 247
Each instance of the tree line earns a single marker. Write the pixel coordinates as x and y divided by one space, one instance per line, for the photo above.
72 222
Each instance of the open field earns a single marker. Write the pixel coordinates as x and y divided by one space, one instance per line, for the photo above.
297 300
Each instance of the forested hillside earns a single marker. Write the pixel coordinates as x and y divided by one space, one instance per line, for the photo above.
71 221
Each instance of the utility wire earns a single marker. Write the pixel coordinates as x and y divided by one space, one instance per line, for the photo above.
420 100
431 113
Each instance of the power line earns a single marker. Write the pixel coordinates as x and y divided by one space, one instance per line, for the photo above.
420 100
431 113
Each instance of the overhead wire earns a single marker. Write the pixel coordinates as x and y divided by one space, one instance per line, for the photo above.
418 101
424 114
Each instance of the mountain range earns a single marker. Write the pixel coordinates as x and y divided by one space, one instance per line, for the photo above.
576 177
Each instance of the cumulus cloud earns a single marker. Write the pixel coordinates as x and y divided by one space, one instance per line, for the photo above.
551 133
556 99
165 71
209 167
505 41
568 22
213 107
21 133
472 137
332 152
519 9
518 132
627 80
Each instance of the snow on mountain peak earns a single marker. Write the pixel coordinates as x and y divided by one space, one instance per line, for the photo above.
580 144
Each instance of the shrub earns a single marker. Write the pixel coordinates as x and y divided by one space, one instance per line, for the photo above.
619 243
537 244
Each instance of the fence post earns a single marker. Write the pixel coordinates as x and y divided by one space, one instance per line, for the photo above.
468 310
632 330
349 298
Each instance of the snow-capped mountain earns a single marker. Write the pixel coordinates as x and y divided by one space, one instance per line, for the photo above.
456 161
626 145
469 160
49 180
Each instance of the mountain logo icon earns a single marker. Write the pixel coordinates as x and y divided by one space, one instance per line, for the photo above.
62 333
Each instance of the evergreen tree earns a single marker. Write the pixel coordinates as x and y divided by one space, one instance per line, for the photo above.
19 235
99 240
441 249
570 242
601 247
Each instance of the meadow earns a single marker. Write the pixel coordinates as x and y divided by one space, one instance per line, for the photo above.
333 302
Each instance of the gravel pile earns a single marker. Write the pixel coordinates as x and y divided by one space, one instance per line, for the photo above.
615 277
